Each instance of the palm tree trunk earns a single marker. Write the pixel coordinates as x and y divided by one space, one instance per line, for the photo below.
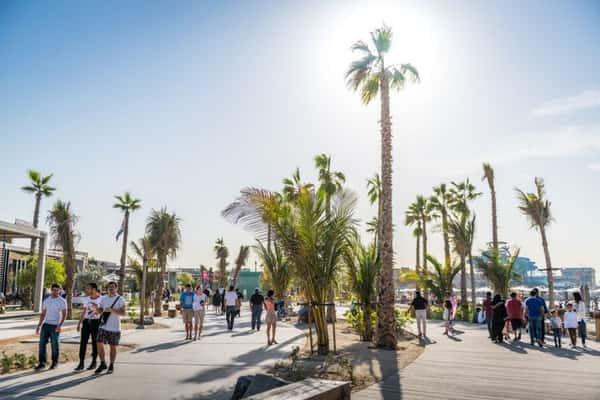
161 285
36 219
463 288
124 252
473 292
368 329
143 291
386 335
322 332
548 267
418 260
494 218
447 260
424 222
70 267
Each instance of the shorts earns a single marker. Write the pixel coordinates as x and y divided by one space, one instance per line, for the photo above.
270 318
188 314
109 337
516 324
199 317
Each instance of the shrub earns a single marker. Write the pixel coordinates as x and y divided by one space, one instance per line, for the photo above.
7 362
354 316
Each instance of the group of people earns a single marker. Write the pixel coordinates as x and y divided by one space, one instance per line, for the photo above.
515 314
193 308
100 320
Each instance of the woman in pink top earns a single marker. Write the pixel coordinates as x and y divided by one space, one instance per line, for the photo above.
270 318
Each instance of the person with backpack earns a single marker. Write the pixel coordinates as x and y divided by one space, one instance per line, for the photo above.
112 307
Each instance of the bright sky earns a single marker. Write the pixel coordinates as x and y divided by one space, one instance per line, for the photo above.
185 103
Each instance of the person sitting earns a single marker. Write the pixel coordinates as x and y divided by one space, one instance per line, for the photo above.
480 316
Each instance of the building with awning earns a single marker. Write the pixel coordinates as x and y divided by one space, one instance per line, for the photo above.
9 232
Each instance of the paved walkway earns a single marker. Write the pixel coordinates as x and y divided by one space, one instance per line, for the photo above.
468 366
164 366
22 324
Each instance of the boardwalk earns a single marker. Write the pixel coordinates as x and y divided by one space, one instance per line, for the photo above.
469 367
164 366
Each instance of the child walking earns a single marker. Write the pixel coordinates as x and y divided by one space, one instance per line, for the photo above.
448 317
556 323
571 324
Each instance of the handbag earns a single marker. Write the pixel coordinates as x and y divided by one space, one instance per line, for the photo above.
106 314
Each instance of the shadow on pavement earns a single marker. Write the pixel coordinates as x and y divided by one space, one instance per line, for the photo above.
161 346
41 387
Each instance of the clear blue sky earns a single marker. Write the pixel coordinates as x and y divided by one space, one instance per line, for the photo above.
185 103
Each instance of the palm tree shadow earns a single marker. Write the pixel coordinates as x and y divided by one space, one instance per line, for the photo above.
41 387
161 347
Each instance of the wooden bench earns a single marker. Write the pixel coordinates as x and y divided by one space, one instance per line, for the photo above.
308 389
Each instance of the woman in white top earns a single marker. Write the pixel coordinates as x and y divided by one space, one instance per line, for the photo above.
581 311
91 322
198 305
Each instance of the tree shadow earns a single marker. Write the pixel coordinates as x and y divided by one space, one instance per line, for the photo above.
40 387
161 347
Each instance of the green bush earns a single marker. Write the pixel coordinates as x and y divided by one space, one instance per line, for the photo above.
354 316
402 318
7 362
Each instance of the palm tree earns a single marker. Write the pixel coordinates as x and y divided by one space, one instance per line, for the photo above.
62 223
363 267
222 252
277 266
412 217
164 232
127 204
331 182
294 185
441 202
39 186
488 175
374 193
314 242
371 76
145 252
462 193
240 261
536 207
438 280
462 232
498 270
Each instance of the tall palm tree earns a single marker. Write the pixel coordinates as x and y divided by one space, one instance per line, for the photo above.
363 267
412 217
426 214
240 261
222 252
536 207
40 187
371 75
488 175
441 202
498 270
462 193
277 266
127 205
462 231
164 232
62 223
144 250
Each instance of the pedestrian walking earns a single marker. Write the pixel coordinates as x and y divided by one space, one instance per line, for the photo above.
198 306
448 316
534 309
112 307
581 312
270 318
487 308
256 305
238 308
231 303
499 315
514 309
419 305
556 324
186 299
54 312
216 301
88 325
571 324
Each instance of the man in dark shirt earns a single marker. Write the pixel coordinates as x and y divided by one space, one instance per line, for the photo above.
487 308
256 304
419 304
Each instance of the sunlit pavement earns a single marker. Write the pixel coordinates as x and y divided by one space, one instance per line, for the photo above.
164 366
469 366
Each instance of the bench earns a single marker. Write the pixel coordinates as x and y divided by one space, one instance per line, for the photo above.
307 389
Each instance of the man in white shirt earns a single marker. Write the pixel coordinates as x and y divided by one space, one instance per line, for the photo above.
199 306
54 311
113 306
231 303
91 324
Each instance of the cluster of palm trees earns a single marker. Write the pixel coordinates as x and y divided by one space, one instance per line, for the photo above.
449 205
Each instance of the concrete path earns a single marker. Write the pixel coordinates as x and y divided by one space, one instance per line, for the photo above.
468 366
164 366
